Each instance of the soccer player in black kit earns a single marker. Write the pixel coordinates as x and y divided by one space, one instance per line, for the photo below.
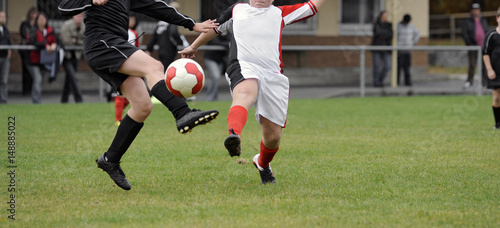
124 67
491 58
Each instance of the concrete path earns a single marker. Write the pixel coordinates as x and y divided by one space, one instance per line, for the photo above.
448 87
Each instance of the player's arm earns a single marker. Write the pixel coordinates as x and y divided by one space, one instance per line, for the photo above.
487 63
74 7
487 50
489 68
317 3
202 39
162 11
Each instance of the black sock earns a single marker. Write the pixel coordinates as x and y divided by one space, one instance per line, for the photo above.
125 135
496 114
177 106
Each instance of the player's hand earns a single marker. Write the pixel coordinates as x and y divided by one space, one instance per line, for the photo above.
491 74
205 26
188 52
99 2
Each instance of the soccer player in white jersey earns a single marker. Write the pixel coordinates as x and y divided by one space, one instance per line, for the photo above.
255 71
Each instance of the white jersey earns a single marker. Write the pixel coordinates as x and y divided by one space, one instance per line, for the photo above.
257 31
255 52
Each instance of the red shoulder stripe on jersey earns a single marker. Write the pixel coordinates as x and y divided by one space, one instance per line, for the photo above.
313 7
288 9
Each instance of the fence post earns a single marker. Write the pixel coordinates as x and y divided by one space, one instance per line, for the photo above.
479 78
362 71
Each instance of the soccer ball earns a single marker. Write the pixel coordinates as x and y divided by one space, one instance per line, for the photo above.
184 78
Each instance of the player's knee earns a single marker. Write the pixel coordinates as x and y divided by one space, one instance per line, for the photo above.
496 101
496 98
157 67
145 108
273 139
148 108
154 71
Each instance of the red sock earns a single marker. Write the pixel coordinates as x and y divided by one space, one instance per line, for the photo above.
120 104
237 118
266 155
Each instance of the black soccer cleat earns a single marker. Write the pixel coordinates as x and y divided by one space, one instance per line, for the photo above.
233 144
194 118
266 174
115 172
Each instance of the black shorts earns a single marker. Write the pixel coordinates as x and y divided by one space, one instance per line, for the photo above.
493 84
105 54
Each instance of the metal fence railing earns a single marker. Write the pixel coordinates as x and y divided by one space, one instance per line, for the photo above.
362 49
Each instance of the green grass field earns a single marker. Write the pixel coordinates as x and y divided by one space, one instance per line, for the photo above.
350 162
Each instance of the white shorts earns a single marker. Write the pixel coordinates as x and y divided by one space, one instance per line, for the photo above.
273 94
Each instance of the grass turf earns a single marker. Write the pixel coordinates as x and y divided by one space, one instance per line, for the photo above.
397 161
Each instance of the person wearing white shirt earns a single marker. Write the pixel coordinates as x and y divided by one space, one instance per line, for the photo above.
408 36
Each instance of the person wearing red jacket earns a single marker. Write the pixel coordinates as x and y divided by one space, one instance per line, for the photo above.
44 39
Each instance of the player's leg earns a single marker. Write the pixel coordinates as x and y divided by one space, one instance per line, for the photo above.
141 106
269 146
244 96
496 107
271 138
143 65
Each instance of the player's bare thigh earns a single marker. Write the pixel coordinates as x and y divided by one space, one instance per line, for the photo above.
141 64
245 93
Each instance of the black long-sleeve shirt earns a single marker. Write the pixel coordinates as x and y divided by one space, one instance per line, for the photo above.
491 48
382 34
113 17
4 40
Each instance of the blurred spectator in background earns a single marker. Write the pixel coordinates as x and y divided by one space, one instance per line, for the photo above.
4 58
45 41
27 27
168 38
382 36
215 62
408 35
72 35
474 29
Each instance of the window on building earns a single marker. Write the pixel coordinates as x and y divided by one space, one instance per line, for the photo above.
357 16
